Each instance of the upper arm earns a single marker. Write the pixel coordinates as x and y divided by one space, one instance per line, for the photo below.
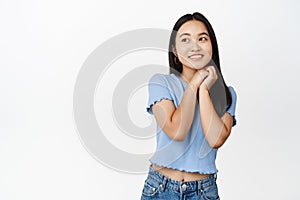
163 111
160 103
158 90
228 117
228 121
232 108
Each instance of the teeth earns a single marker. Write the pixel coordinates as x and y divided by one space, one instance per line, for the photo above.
196 56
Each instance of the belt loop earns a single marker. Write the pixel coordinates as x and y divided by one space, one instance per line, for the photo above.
215 175
163 184
199 188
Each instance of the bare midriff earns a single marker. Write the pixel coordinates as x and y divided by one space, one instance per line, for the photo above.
179 175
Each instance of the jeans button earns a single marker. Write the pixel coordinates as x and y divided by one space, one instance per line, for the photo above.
184 186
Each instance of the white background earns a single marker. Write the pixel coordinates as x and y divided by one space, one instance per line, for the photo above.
43 45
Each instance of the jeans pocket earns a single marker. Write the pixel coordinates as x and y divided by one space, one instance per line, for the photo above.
211 192
151 188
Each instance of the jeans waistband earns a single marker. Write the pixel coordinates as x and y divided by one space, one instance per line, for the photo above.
181 186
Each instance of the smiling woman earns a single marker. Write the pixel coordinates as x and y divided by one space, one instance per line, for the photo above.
193 46
194 110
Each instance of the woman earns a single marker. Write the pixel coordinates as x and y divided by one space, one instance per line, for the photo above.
194 110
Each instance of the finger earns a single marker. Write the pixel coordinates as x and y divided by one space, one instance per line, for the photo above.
208 67
215 71
204 75
203 70
210 70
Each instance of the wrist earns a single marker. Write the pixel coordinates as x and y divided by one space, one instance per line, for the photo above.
193 86
203 91
203 88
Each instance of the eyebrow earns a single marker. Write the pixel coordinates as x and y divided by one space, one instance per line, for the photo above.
203 33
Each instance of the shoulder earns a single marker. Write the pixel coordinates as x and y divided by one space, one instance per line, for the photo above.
232 92
157 76
231 108
161 78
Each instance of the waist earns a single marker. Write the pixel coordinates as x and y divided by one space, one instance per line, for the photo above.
178 175
157 178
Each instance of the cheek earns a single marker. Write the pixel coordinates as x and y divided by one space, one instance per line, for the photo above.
182 51
208 49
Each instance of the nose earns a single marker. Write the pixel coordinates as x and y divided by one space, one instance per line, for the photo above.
195 46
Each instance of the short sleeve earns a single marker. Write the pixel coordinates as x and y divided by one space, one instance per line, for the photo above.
231 109
157 89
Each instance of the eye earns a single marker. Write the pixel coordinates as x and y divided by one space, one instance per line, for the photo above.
185 40
202 39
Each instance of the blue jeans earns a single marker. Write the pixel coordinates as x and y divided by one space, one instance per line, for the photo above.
157 186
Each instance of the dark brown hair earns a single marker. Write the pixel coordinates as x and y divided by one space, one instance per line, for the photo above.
219 92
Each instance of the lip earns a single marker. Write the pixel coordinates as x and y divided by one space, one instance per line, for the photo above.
197 56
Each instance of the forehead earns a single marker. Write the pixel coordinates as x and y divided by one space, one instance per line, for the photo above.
192 27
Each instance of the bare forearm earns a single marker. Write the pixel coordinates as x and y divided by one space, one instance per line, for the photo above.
184 114
213 127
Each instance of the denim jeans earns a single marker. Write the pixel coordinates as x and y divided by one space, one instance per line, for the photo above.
157 186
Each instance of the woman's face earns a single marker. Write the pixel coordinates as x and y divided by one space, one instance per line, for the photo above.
193 46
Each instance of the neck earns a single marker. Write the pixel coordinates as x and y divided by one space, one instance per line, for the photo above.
187 74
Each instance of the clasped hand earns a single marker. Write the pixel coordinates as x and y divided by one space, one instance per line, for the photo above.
205 78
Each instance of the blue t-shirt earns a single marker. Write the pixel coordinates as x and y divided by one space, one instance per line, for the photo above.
194 153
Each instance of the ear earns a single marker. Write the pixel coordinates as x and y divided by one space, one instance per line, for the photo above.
174 50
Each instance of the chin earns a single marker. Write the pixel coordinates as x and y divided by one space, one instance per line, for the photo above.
198 67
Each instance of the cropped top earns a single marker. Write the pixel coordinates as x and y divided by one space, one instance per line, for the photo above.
194 153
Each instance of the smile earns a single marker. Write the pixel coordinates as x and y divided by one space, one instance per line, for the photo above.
196 56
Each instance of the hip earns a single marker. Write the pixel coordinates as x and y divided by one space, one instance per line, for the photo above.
179 175
159 186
